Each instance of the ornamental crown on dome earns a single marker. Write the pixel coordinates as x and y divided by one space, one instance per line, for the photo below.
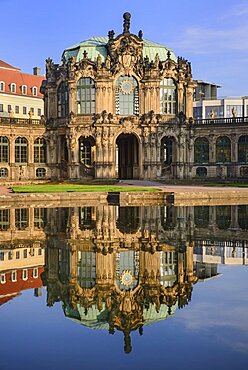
125 50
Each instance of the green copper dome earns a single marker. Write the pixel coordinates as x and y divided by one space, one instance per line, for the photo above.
97 45
96 319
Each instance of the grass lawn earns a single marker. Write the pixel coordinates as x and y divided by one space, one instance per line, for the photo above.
63 188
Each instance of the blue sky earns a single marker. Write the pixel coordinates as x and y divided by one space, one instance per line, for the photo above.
211 34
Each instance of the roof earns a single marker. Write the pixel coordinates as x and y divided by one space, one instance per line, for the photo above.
207 83
98 45
10 75
3 64
96 319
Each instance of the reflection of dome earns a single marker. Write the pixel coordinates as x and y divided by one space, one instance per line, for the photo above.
151 315
93 318
97 45
96 319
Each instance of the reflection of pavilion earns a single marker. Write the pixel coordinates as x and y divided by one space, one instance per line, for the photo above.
111 270
121 290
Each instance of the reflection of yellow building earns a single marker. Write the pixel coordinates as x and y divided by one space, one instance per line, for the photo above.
21 251
20 269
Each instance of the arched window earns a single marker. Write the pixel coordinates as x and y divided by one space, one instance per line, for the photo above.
223 217
201 150
21 150
87 218
128 221
167 96
62 100
41 172
86 269
201 216
21 218
2 86
126 96
223 150
86 96
201 172
244 172
3 172
24 89
13 87
34 90
4 149
4 219
86 151
243 149
243 217
167 151
40 150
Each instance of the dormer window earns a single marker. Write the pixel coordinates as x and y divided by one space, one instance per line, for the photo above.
34 90
2 86
24 89
13 88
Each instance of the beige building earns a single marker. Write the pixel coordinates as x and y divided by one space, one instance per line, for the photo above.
121 107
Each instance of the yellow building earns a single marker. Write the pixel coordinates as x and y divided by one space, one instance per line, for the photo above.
20 95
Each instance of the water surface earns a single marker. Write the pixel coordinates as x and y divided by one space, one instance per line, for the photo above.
124 287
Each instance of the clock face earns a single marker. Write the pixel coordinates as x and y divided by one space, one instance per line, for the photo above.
127 278
126 87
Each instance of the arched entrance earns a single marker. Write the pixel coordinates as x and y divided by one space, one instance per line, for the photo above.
127 157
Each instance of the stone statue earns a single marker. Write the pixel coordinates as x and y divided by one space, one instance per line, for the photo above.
126 23
140 34
234 112
111 35
212 114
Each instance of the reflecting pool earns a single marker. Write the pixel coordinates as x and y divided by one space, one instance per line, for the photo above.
124 287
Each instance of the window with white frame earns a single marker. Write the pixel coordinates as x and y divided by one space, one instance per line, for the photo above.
35 273
3 279
12 87
25 274
14 276
34 90
2 86
24 89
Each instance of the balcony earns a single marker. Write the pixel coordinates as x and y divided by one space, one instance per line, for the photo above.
221 121
21 121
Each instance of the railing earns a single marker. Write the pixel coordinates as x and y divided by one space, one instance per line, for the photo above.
21 121
221 121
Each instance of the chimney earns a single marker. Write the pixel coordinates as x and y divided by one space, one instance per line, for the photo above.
36 71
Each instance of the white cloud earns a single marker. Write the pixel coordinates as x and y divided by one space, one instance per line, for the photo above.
204 317
202 40
237 10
